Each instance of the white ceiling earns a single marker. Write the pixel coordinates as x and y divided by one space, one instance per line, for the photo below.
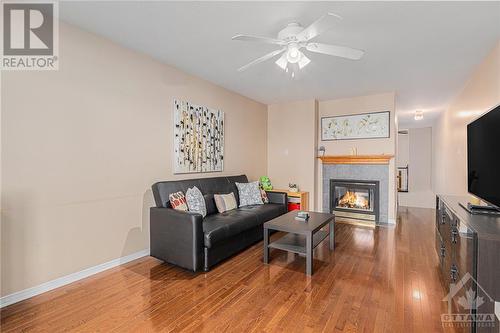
423 51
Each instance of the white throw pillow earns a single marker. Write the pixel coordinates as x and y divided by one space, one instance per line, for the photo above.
195 201
249 194
225 202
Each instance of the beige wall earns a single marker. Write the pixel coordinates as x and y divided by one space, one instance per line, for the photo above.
81 147
481 92
403 150
419 159
355 105
291 151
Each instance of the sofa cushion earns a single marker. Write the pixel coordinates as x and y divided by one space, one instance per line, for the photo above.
263 194
218 227
225 202
265 212
249 194
196 201
178 201
210 204
161 190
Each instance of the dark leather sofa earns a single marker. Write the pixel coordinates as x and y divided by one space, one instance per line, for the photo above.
190 241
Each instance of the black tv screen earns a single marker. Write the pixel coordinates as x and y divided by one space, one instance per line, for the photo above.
483 157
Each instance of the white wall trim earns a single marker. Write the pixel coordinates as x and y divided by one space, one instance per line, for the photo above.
391 221
64 280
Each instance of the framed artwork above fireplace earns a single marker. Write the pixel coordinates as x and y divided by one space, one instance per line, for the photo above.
359 126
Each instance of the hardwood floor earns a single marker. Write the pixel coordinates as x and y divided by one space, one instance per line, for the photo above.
376 280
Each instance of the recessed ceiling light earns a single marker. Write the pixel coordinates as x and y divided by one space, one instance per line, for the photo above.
419 115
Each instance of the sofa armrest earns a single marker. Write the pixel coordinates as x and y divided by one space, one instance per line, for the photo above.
177 237
277 198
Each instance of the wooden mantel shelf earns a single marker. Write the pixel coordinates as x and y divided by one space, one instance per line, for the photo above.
356 159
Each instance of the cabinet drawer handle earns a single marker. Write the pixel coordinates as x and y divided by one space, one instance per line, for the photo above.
453 273
454 234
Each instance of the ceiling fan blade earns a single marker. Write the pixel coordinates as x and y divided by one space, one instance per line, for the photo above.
335 50
248 38
261 59
322 24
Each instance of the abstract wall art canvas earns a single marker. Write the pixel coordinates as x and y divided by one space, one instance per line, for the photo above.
360 126
198 138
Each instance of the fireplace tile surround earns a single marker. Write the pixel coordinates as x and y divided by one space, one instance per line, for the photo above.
373 172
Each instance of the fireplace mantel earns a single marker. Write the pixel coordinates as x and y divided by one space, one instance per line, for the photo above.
356 159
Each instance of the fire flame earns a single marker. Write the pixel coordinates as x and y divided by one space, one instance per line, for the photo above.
352 200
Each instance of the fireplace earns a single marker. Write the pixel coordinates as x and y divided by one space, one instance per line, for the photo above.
355 199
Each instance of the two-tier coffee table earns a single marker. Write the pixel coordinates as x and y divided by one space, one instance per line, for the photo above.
302 237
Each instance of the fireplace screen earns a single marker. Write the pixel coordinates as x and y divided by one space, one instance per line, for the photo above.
355 199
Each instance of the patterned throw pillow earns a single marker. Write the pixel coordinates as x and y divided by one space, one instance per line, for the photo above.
249 194
178 201
195 201
263 194
225 202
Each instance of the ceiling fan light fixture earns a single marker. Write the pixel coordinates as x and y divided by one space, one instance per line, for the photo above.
282 62
293 38
293 54
304 61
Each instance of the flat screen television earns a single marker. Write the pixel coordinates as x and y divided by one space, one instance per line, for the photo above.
483 157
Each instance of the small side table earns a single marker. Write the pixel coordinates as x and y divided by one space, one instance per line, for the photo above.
303 196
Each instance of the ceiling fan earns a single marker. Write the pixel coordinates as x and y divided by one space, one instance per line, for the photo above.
294 37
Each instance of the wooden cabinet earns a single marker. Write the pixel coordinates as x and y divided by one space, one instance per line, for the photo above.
468 247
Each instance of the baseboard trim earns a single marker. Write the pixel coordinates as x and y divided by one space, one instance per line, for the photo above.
391 221
64 280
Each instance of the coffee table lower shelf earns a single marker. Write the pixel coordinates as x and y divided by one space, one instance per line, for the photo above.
297 243
302 236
